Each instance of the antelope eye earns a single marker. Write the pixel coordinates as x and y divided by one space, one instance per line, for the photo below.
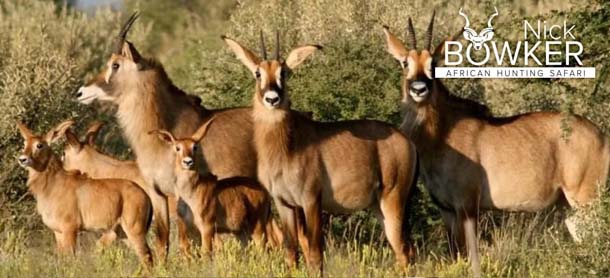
39 146
258 74
115 66
195 147
178 148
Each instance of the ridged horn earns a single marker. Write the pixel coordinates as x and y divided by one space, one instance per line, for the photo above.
120 39
411 35
429 32
263 49
277 45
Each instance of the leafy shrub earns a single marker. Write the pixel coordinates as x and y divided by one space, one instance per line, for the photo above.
45 53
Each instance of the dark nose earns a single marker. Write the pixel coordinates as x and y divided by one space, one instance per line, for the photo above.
272 100
188 162
23 159
418 89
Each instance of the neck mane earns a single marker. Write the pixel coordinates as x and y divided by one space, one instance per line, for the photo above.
153 103
428 124
38 181
272 134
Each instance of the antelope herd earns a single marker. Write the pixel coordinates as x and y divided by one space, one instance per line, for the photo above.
228 166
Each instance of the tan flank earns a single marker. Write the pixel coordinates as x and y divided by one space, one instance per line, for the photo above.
238 205
310 166
471 160
70 202
148 100
84 156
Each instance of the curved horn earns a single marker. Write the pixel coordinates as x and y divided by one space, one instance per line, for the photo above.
429 32
120 39
263 50
491 17
466 18
411 35
277 45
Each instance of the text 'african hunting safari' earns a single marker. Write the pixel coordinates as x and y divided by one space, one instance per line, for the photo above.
228 167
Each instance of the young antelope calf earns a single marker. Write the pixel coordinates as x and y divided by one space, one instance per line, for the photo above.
84 156
236 205
69 201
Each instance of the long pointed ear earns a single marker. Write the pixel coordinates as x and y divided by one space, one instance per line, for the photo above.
439 50
92 132
243 54
395 47
58 131
130 51
72 140
201 131
24 131
298 55
164 135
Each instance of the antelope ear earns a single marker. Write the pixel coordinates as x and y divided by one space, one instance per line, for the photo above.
395 47
243 54
58 131
24 131
72 140
164 135
130 52
200 133
298 55
92 132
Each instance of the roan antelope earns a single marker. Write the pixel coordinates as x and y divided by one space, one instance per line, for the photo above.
310 166
148 100
70 202
237 205
471 160
85 157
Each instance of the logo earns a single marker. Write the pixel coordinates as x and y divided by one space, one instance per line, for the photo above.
546 51
478 39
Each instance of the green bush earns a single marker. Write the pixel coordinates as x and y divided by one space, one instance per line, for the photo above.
45 53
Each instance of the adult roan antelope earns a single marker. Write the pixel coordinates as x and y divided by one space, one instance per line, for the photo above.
148 100
70 202
237 205
310 166
471 160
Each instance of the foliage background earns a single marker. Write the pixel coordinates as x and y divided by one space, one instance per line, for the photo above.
48 49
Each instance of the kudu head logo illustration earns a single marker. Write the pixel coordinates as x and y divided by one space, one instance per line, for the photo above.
484 36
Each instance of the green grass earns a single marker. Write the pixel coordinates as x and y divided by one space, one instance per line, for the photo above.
512 245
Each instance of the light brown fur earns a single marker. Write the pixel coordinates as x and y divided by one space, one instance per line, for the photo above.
471 160
310 166
237 205
70 202
85 157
